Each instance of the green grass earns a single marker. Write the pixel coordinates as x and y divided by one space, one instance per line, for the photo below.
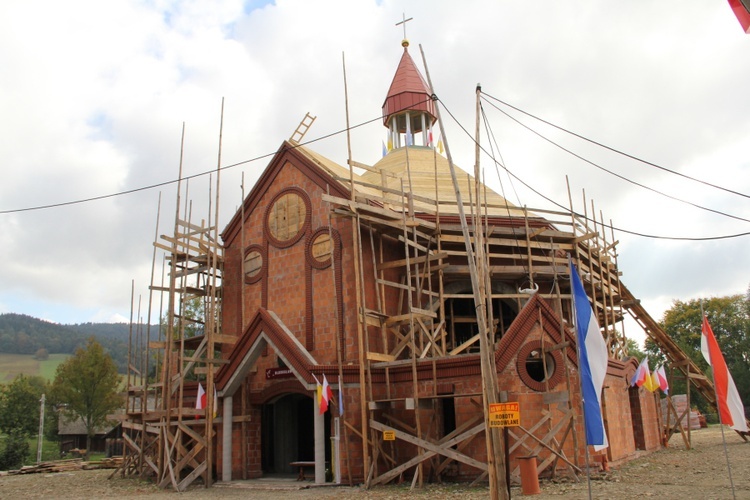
15 364
50 451
48 368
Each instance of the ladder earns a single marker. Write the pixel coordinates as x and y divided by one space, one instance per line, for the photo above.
669 347
671 350
302 128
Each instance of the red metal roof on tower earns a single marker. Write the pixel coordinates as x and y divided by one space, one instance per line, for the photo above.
408 91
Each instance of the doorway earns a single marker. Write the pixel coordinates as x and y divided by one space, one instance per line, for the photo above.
288 434
636 417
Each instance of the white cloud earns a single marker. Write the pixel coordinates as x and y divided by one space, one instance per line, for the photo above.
93 96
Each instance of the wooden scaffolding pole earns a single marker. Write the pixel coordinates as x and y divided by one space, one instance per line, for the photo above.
495 457
361 326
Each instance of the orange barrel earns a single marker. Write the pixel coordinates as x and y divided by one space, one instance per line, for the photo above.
529 477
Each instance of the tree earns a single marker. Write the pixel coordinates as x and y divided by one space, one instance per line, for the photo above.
634 350
730 321
86 385
14 451
19 405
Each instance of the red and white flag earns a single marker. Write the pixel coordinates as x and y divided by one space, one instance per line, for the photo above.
641 373
731 410
662 376
741 9
320 396
200 401
326 395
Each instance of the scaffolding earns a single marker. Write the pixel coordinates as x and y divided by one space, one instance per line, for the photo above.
168 429
519 252
431 286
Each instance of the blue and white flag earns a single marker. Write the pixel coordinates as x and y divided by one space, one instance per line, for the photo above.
592 363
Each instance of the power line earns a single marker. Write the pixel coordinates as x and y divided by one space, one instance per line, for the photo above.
332 134
173 181
615 174
627 155
610 226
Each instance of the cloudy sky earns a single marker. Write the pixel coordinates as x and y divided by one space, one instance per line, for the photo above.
93 97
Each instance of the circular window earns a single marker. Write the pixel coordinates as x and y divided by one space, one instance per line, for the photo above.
537 369
286 218
253 264
320 247
540 368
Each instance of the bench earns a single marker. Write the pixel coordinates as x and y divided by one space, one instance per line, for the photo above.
302 464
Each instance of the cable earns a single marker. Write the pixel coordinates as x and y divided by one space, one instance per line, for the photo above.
619 176
610 226
491 139
172 181
207 172
632 157
511 174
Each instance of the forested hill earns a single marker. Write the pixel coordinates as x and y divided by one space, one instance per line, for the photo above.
22 334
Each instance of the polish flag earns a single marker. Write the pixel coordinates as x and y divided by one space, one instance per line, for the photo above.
741 9
200 401
326 394
641 373
662 376
731 410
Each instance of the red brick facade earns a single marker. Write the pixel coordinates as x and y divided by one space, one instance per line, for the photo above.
313 300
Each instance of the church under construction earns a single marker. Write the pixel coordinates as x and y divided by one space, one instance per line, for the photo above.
423 300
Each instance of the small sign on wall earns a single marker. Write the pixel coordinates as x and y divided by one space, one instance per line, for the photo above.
505 415
389 435
273 373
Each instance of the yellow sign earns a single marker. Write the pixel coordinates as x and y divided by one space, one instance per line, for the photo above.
505 415
389 435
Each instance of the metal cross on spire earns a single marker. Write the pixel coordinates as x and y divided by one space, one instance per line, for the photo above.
404 21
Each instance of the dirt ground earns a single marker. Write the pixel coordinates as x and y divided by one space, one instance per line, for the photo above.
675 472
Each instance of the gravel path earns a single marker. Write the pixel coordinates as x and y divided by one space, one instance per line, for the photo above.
677 473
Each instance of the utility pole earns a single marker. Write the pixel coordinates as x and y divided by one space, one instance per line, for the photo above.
41 431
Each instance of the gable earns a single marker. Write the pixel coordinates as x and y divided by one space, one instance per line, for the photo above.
536 310
265 330
319 172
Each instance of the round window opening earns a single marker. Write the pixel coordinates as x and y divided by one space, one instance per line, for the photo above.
287 216
253 265
538 370
535 365
321 248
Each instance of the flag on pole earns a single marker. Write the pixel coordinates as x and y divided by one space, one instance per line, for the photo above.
592 362
200 401
319 396
662 376
652 382
741 10
731 410
641 373
327 395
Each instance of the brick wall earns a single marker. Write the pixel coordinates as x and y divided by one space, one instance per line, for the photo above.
618 418
302 295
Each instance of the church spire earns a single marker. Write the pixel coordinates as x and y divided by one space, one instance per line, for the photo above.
408 109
